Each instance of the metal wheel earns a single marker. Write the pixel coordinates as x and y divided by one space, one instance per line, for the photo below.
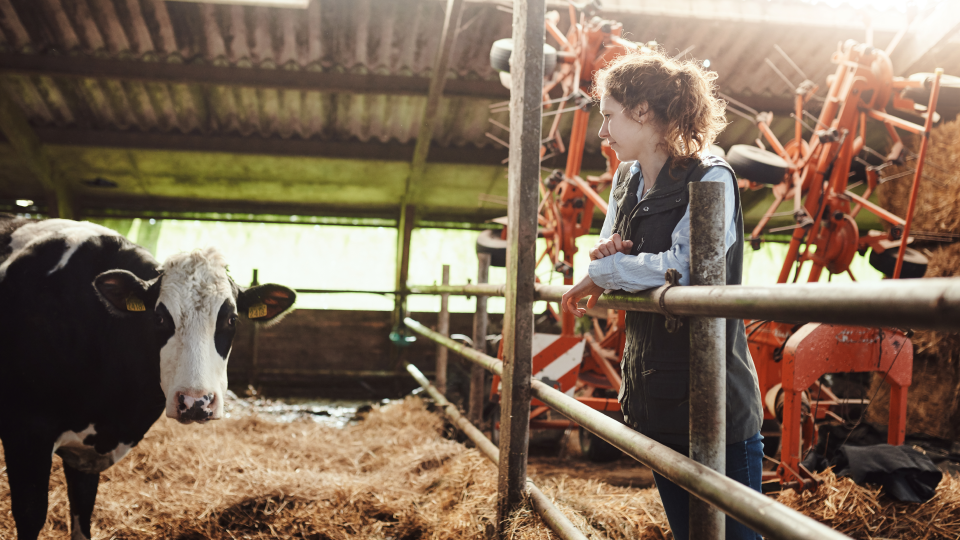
490 242
757 165
914 262
502 49
949 97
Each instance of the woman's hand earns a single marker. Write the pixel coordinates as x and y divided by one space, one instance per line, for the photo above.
609 246
586 287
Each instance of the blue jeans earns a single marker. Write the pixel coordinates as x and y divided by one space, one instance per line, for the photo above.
744 464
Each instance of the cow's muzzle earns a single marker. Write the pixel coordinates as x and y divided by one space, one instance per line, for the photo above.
195 406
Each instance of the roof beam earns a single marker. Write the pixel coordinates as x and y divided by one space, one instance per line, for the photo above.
755 12
323 81
282 79
275 146
418 163
448 40
16 129
925 34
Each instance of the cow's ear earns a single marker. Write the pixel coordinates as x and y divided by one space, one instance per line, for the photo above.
122 292
265 302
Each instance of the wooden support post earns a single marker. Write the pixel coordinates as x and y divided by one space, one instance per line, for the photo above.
448 40
443 327
408 215
17 130
524 180
477 374
404 232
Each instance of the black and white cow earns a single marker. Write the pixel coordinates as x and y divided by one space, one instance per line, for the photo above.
97 339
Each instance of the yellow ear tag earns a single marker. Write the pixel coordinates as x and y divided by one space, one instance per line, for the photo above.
256 311
135 304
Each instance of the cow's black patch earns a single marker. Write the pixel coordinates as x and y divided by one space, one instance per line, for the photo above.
164 324
226 328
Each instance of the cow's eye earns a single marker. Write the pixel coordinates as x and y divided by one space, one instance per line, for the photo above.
160 319
232 320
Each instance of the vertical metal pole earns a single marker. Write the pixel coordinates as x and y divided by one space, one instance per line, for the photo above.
708 366
477 373
526 69
927 126
254 344
443 327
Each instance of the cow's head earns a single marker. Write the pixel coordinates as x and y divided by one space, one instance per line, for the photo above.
193 307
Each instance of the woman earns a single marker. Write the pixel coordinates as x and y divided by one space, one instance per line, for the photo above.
659 116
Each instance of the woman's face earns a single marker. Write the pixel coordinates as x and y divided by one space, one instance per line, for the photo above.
629 133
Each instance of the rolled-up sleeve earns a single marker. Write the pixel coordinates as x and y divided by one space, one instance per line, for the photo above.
634 273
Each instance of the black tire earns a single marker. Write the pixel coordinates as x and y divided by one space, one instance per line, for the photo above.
914 262
596 449
756 164
493 417
490 242
502 49
949 97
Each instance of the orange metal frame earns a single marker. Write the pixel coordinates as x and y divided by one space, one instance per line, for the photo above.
792 359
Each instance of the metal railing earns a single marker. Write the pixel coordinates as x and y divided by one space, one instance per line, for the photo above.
751 508
928 303
550 514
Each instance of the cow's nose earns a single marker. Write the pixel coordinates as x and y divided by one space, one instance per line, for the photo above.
195 406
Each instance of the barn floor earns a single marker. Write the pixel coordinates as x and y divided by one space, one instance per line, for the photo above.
393 475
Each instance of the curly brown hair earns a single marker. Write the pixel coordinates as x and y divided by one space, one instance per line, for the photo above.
681 94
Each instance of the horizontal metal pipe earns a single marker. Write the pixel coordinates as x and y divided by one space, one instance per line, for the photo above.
760 513
932 303
751 508
550 514
489 363
483 444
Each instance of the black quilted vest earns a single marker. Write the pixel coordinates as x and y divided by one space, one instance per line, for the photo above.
655 392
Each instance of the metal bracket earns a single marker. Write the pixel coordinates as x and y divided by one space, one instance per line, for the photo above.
672 278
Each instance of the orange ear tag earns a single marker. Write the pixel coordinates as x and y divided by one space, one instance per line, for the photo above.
257 311
135 304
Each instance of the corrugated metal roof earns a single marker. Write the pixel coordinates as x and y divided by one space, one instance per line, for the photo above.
396 38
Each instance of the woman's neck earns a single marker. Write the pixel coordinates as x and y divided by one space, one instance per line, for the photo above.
650 165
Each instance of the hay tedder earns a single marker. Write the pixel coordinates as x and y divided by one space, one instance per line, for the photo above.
814 173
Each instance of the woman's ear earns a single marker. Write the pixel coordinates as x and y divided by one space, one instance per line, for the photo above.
641 113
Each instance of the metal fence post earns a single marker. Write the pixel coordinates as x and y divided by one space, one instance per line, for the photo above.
526 70
479 343
708 367
254 375
443 327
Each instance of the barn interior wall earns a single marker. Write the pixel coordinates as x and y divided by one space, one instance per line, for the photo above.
339 354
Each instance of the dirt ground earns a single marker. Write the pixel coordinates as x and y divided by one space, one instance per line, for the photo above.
395 473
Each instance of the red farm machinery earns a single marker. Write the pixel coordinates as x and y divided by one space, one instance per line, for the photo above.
813 173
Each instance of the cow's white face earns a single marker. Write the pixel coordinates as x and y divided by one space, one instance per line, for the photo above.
193 310
198 304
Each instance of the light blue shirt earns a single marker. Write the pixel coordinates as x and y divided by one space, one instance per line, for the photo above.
634 273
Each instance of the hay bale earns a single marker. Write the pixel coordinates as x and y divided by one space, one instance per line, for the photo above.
939 186
933 404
